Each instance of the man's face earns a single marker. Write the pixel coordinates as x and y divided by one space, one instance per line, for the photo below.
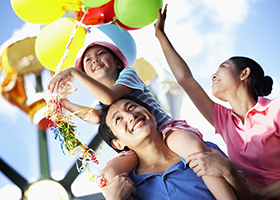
130 122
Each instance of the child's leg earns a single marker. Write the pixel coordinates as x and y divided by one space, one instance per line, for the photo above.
118 165
184 142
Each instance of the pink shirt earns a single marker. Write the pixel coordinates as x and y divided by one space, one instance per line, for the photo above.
255 146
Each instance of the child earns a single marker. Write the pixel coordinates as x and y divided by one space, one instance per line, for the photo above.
250 129
103 70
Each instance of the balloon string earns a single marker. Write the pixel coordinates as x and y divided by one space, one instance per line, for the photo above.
59 66
115 21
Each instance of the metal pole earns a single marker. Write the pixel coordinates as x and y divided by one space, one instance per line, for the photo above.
42 137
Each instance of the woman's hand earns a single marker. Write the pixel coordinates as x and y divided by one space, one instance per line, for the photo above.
159 25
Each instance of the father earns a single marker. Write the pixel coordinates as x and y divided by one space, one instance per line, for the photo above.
161 174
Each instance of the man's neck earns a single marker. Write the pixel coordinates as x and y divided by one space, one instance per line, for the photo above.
156 158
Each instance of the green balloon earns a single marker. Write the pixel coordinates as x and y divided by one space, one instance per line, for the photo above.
94 3
137 13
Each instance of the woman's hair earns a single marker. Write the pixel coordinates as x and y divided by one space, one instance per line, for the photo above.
260 84
104 131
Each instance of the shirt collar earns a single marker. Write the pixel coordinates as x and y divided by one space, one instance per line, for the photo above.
138 179
262 104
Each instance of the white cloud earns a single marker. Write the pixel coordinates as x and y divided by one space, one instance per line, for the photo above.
231 11
28 29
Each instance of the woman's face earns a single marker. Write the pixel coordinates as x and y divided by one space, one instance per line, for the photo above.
100 64
130 122
225 81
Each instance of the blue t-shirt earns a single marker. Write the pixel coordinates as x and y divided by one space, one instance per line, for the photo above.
129 78
178 182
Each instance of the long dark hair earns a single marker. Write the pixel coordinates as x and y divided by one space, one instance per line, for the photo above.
260 84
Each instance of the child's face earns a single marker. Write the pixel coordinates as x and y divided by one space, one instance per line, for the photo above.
100 65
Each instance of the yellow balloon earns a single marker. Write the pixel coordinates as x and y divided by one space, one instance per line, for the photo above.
38 11
52 40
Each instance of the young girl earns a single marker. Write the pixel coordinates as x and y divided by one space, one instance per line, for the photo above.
251 129
103 70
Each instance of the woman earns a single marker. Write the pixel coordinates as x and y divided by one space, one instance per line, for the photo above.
251 129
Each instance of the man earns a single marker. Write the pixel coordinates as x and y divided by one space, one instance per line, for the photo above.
161 174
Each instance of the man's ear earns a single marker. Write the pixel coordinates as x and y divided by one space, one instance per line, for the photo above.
245 73
117 144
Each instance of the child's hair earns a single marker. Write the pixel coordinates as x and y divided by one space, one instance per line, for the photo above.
104 131
115 51
260 85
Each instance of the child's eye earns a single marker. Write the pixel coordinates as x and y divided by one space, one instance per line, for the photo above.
101 52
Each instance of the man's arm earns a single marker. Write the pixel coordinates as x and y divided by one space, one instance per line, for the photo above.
120 188
268 192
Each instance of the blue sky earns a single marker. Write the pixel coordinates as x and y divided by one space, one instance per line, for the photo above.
205 33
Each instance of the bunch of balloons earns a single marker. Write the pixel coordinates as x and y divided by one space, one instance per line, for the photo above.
66 21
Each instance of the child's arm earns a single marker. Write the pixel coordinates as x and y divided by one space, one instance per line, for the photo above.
184 143
87 114
100 91
121 187
182 72
215 164
119 165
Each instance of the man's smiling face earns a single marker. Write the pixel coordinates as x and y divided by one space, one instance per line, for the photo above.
130 122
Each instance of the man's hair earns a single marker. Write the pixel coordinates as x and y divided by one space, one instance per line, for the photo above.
104 131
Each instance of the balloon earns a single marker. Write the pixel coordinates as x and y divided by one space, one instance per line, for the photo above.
145 70
92 17
18 58
109 14
51 43
38 11
115 35
94 3
137 13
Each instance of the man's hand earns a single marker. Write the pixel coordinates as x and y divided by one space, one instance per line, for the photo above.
211 163
120 188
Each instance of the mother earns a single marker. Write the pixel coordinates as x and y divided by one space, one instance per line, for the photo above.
250 129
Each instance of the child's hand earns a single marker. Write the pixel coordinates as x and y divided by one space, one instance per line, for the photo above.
61 79
159 26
